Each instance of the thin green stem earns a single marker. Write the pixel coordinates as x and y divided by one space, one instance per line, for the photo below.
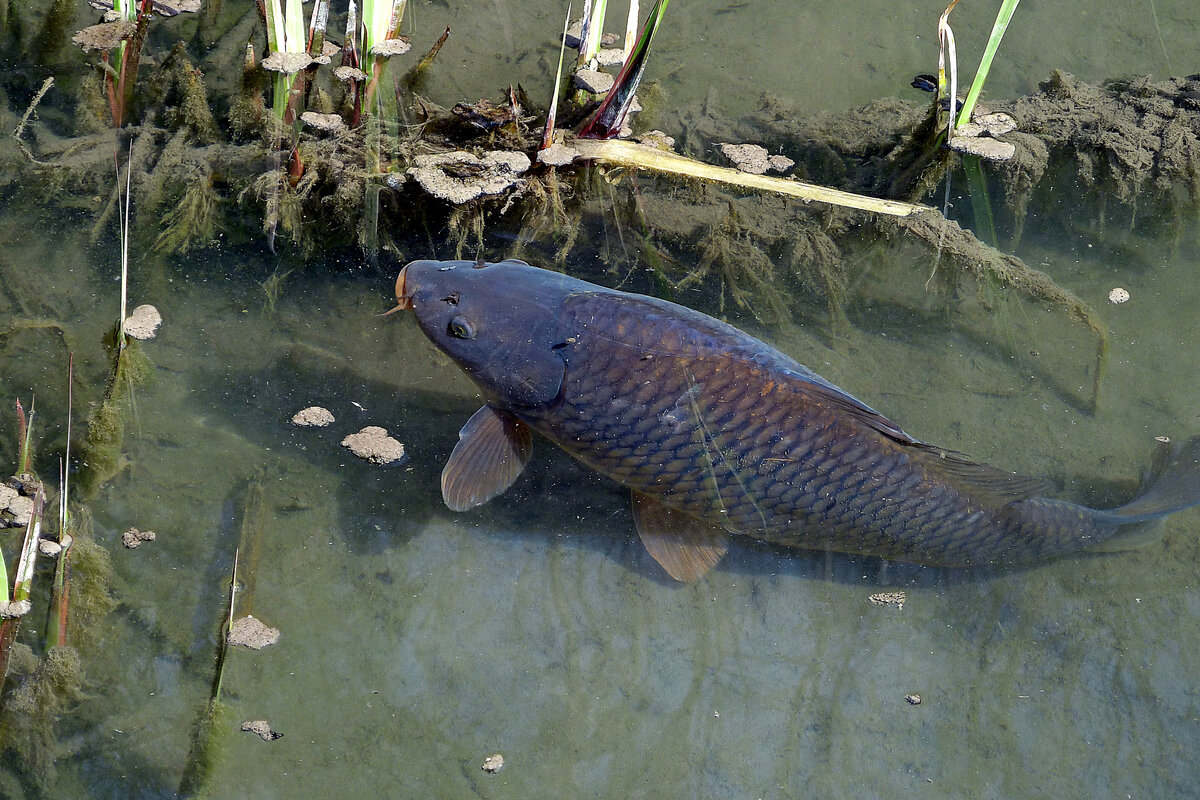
1003 17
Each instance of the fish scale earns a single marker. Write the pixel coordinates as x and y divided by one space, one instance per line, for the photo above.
757 459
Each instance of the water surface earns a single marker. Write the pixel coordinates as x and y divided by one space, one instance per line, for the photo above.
416 642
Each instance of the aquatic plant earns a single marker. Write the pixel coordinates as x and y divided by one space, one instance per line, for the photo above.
380 41
214 720
123 39
56 626
213 724
1003 17
130 368
24 438
287 49
552 114
608 119
22 583
947 95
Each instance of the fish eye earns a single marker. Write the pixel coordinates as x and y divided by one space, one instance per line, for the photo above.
452 298
461 328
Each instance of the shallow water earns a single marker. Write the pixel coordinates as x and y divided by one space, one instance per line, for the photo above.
416 642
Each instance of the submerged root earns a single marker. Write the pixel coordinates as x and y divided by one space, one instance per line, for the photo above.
34 705
960 253
466 222
193 219
102 447
816 260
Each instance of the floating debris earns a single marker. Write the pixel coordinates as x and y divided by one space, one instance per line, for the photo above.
250 632
996 124
345 73
754 159
14 609
133 538
313 417
888 599
262 728
391 47
290 63
1118 296
982 146
594 81
573 33
557 155
325 123
105 36
143 322
610 56
21 510
459 177
913 699
374 444
16 509
493 763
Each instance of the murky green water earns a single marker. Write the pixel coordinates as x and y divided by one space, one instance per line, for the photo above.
416 642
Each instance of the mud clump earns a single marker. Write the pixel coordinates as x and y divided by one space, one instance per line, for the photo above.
460 176
373 444
313 417
754 159
250 632
143 322
105 36
262 729
133 538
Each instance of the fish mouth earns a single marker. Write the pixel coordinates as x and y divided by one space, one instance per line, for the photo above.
403 294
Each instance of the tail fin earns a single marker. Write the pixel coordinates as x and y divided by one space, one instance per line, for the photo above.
1174 484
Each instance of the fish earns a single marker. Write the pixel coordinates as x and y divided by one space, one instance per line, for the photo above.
717 434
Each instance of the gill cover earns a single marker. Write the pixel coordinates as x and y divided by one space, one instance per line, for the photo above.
499 322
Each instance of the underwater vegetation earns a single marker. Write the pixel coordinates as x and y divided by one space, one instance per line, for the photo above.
271 127
324 146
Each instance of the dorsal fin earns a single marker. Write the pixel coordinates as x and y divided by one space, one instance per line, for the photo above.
684 546
989 485
493 447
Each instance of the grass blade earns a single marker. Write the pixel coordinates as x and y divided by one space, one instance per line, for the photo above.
552 114
606 122
1003 17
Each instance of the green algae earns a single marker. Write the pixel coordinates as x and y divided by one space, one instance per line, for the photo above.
102 455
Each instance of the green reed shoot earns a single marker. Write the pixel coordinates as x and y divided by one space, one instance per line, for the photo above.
552 114
119 79
606 122
381 21
124 249
23 580
947 90
56 628
285 34
592 30
24 438
1003 17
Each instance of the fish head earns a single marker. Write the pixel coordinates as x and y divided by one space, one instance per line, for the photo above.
499 322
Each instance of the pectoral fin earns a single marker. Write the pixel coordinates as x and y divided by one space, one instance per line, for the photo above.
493 447
686 547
